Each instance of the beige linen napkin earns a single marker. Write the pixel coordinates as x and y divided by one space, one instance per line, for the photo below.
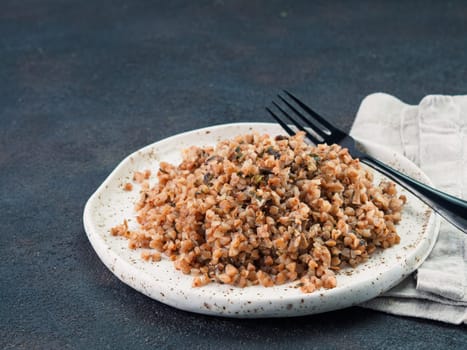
433 136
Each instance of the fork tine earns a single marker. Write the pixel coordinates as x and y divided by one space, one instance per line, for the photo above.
311 124
298 125
279 120
319 118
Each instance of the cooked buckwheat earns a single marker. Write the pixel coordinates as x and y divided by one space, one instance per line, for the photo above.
262 210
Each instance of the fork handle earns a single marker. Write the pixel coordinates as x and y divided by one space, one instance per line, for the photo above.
451 208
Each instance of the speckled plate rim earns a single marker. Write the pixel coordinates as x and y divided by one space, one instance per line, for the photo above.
160 281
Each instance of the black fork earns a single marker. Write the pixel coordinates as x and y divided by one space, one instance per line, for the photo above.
319 130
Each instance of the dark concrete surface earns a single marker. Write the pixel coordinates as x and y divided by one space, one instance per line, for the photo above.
84 83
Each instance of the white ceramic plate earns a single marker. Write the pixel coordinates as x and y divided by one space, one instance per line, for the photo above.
110 204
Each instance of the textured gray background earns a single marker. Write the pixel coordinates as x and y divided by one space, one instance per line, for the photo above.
83 84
